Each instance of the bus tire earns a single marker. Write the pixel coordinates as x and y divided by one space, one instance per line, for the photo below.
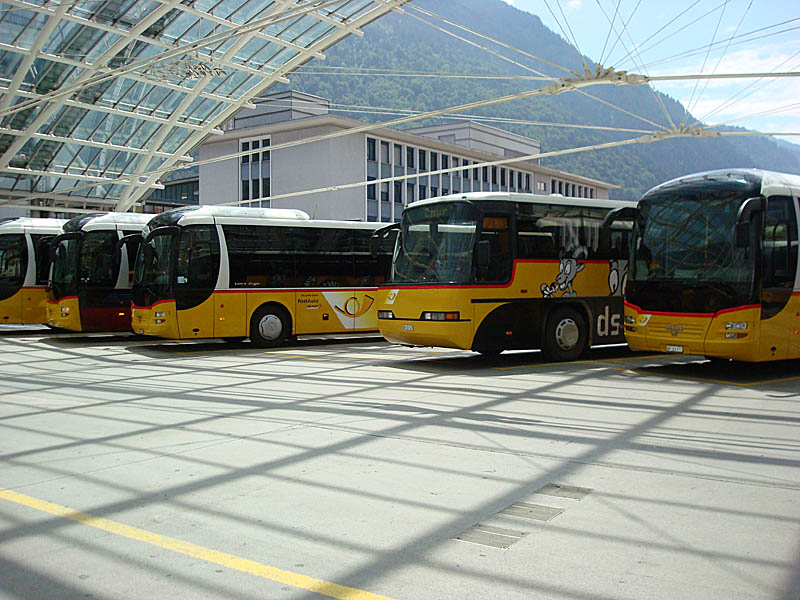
566 335
270 326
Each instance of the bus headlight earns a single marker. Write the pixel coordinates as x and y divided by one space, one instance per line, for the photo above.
440 316
160 315
64 310
735 325
385 314
629 320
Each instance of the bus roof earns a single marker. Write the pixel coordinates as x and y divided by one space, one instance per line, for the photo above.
107 221
768 183
529 198
244 215
32 225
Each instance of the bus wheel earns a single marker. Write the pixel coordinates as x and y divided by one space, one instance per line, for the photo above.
565 334
270 326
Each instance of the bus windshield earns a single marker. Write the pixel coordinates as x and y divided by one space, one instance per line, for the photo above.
13 263
689 239
436 244
63 282
151 279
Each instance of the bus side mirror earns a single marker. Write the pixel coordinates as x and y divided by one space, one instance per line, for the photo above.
747 211
742 235
484 254
149 253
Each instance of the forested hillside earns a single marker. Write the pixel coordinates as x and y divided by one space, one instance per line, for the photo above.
399 42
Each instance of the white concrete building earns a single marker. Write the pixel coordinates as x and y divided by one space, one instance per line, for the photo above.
367 156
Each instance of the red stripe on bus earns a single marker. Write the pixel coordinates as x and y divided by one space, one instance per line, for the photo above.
285 290
135 307
62 299
737 308
683 314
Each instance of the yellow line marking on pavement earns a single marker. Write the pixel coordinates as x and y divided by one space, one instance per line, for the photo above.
709 379
317 586
577 362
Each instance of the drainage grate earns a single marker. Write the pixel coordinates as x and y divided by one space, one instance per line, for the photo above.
563 491
526 510
486 535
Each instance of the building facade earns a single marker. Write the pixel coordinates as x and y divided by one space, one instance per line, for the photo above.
407 157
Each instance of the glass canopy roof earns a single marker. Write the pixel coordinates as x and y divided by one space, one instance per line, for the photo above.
96 95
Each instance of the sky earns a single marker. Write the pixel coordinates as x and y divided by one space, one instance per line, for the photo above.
698 23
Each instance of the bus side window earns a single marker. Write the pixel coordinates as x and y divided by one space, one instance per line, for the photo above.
325 257
779 253
534 241
132 250
497 232
41 246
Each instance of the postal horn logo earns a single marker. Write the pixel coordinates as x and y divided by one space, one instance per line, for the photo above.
353 308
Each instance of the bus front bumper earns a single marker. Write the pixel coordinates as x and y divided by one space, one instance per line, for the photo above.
64 313
159 320
727 334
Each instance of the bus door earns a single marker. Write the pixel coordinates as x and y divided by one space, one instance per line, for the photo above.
196 274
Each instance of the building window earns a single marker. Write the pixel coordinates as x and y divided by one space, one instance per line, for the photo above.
385 153
591 192
385 192
561 187
502 177
446 161
434 192
398 192
494 175
254 173
485 174
552 186
434 161
423 160
398 155
541 186
410 192
527 182
410 157
423 192
371 190
371 149
476 174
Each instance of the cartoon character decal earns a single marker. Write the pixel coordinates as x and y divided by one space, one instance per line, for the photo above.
617 277
568 270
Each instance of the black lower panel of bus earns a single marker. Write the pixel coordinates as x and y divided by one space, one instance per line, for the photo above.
519 324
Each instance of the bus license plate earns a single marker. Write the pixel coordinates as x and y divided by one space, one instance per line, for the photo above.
408 327
675 349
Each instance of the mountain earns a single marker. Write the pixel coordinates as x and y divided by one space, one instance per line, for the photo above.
400 42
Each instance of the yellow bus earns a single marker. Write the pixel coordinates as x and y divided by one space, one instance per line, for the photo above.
266 274
24 268
496 271
90 280
714 267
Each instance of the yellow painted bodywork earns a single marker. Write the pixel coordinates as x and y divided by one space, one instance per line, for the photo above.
528 280
227 313
64 314
776 338
27 307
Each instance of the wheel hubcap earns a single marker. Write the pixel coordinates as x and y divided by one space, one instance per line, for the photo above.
270 327
567 334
